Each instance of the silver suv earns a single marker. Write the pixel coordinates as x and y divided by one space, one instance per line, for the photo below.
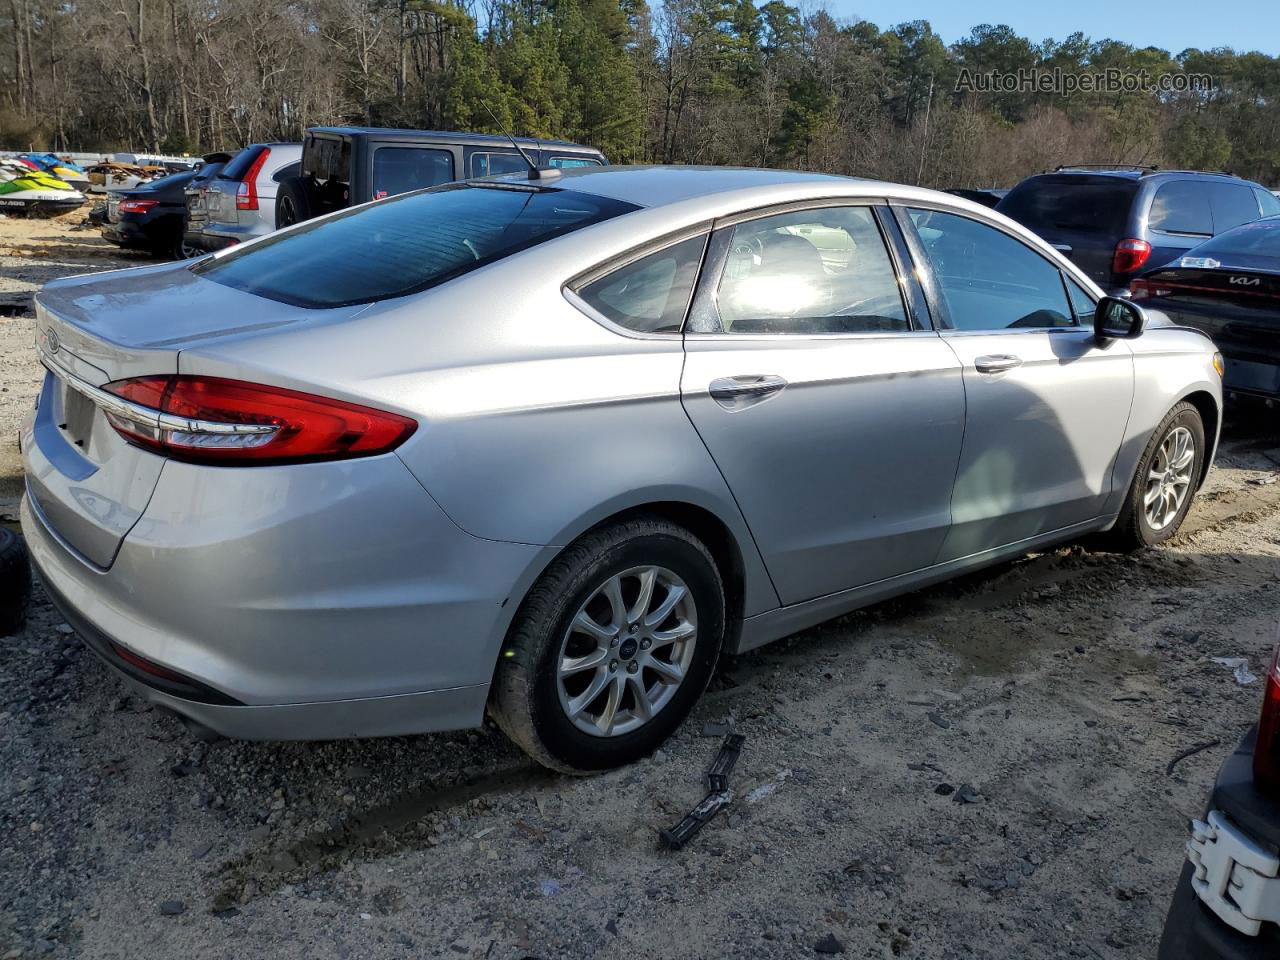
241 200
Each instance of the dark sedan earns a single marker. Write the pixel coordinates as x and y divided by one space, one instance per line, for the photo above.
1227 905
151 217
1229 287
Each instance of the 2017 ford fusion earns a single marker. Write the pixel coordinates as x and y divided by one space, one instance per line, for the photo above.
547 447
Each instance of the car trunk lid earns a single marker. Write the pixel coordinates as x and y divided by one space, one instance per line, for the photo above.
88 483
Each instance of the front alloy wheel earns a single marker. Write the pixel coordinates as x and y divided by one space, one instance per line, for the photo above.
1169 477
627 651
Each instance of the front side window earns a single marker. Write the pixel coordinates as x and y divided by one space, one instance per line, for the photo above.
1082 302
406 244
1268 202
494 164
806 272
401 169
1181 207
988 279
649 295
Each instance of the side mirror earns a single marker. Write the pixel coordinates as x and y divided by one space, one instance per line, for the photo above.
1118 319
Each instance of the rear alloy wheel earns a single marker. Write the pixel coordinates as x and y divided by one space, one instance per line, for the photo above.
612 647
1165 481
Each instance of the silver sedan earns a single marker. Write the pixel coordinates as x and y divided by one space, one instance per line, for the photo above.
546 447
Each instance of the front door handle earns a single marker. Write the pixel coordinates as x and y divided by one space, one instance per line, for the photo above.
738 393
997 363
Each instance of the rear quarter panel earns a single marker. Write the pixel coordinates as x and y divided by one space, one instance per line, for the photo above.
535 422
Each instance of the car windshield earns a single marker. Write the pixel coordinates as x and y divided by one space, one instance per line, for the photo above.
1258 239
1089 205
407 243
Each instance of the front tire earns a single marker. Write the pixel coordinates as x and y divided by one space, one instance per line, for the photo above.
612 647
1164 483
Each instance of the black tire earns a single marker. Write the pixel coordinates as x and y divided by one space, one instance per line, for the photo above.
524 699
294 202
15 582
1133 529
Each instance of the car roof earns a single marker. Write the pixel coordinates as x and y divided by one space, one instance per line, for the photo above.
445 136
1143 174
657 186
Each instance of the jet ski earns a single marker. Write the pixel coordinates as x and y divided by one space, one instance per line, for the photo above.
64 170
35 194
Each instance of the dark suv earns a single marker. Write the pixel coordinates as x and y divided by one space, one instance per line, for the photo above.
345 166
1116 222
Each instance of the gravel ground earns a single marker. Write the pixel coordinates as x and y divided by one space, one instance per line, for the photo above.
977 770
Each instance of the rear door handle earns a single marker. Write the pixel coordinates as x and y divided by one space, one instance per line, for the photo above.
738 393
997 363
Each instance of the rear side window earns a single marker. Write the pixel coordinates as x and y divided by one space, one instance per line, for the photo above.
1268 202
287 171
823 271
1232 205
649 295
327 159
1181 207
492 164
407 244
1074 203
239 165
401 169
566 163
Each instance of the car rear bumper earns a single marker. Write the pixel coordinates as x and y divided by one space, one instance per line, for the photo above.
126 234
229 234
1193 931
330 600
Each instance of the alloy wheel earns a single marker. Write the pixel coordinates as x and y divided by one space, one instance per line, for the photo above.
627 651
1169 478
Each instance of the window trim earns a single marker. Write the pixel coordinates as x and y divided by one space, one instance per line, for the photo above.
569 289
929 281
772 210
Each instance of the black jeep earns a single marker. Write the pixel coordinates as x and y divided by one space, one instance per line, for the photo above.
345 166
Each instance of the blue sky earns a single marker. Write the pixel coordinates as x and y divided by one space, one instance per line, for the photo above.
1172 24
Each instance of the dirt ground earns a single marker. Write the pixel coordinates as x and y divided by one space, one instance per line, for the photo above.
1054 693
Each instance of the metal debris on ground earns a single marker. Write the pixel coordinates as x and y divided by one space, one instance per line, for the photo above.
1239 667
718 795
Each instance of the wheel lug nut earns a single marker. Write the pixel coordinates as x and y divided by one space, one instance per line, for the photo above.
632 667
645 644
613 666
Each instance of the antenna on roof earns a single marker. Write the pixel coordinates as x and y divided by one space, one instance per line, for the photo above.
534 172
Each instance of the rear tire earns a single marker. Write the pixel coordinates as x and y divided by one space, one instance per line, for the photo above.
1152 511
15 583
548 709
294 202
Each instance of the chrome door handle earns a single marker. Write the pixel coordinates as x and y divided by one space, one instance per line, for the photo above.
997 363
738 393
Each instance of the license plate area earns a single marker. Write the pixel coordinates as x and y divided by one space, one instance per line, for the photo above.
76 413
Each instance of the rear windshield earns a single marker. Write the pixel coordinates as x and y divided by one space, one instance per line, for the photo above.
239 165
1258 239
164 183
405 244
1088 205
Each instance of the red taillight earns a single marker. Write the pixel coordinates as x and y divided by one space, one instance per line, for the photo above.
218 421
1130 255
247 192
145 665
137 206
1266 752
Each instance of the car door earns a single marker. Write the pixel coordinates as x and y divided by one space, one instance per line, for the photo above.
833 410
1045 404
